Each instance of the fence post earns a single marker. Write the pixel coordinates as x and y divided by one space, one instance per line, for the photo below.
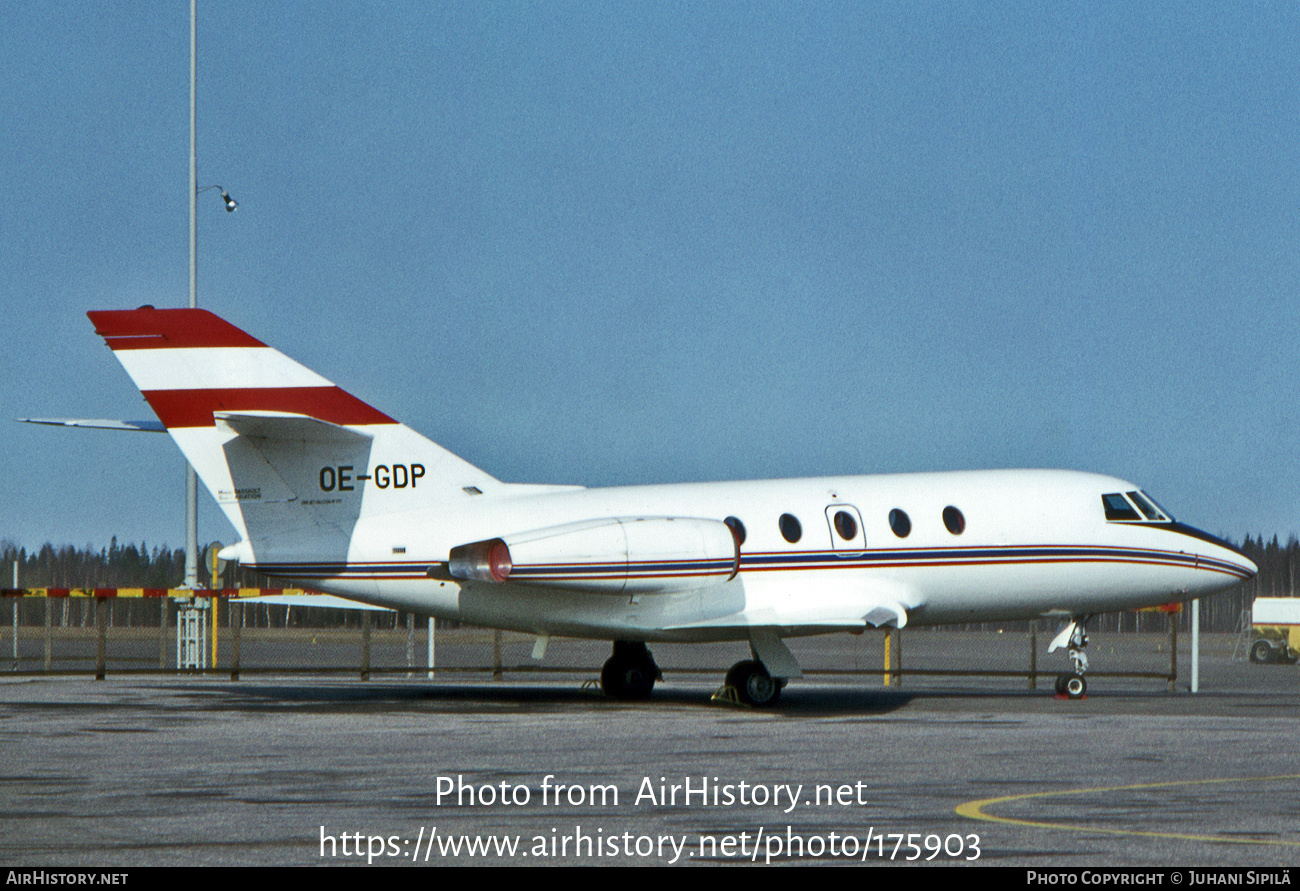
431 656
1196 647
1173 651
888 678
49 643
898 655
16 598
410 643
365 645
214 602
893 657
164 613
1033 655
496 655
101 616
234 634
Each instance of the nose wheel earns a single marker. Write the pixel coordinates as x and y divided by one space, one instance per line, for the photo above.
1073 685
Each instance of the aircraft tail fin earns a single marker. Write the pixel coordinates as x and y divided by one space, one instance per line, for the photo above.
280 448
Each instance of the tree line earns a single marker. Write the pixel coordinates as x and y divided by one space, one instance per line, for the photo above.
116 566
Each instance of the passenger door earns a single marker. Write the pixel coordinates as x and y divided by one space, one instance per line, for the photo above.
847 536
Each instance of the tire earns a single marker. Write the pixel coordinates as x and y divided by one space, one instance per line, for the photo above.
753 685
1262 651
1060 684
1075 686
627 681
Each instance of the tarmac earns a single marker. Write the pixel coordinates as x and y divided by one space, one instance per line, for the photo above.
283 770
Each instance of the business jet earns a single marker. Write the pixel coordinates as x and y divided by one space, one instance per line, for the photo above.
330 493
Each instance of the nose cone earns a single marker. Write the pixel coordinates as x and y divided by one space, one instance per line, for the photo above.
1247 564
1217 555
1242 566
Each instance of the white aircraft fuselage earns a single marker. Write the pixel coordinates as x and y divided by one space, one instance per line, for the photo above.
1035 543
330 493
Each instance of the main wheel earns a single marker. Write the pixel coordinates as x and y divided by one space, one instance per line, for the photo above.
621 679
753 684
1075 686
1261 651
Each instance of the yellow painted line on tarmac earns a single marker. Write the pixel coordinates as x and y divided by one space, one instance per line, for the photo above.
975 811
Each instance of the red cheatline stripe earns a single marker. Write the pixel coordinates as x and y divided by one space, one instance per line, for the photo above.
1224 569
194 408
152 329
237 593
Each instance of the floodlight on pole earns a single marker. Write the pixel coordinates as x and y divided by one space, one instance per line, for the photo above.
231 204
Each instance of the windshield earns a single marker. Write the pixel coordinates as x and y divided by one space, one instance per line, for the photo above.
1133 507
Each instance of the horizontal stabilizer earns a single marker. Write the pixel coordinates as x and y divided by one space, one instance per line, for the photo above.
326 601
286 427
100 424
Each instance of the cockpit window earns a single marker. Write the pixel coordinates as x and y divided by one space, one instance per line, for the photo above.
1149 510
1121 509
1118 508
1165 515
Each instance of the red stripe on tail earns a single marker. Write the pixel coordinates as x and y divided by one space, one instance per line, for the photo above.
194 408
153 329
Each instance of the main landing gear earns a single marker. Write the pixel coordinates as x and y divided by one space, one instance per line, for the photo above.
631 672
1073 684
753 685
758 682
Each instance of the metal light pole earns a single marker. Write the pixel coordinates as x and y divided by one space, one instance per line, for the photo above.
191 480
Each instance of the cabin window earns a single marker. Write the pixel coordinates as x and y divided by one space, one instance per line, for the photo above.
737 529
953 520
900 522
1118 508
846 525
791 531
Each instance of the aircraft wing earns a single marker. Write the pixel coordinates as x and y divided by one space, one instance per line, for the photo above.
846 604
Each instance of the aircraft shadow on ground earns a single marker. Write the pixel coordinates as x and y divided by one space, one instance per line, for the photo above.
380 697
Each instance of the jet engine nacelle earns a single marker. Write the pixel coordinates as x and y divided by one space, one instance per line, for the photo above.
640 555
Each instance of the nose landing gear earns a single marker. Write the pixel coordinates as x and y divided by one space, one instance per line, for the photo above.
1073 685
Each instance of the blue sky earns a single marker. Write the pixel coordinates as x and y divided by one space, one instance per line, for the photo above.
656 242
